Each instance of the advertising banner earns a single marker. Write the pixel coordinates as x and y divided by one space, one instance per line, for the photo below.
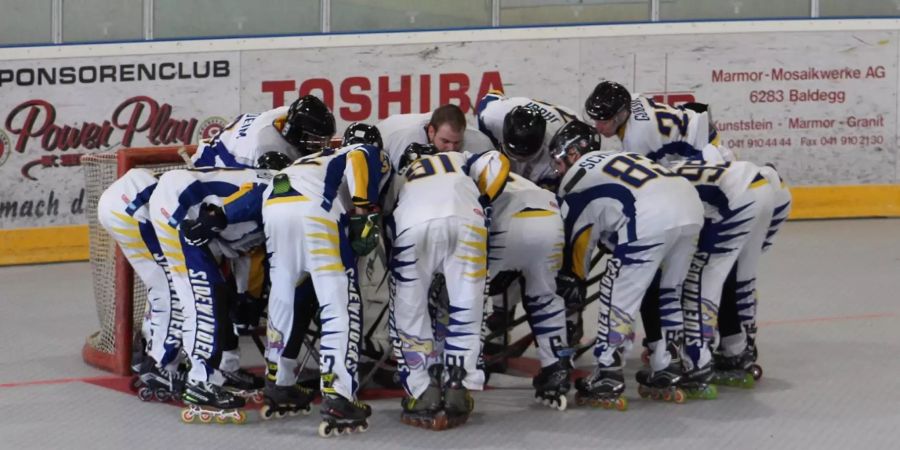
821 106
53 111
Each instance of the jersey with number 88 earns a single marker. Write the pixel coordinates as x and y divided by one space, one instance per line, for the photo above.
625 197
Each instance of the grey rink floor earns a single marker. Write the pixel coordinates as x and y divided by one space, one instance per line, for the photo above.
829 343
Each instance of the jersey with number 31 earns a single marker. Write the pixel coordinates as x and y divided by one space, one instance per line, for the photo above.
625 197
664 133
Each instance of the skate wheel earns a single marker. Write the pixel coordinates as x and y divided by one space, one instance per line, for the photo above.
756 371
325 430
621 403
562 403
205 417
221 419
265 413
145 394
240 419
163 395
644 392
748 382
257 397
678 396
362 428
187 416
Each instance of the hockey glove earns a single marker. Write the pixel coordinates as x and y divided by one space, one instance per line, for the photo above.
245 313
210 222
572 290
365 231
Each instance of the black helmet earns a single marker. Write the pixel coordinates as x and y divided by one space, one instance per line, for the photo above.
523 133
273 161
607 99
309 125
577 134
362 133
415 151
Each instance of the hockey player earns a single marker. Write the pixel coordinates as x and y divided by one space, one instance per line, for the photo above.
649 219
738 204
735 363
440 228
317 213
183 201
522 128
526 242
445 128
658 131
304 127
123 211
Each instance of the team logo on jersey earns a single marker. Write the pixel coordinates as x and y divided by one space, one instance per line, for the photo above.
275 338
4 147
417 351
210 128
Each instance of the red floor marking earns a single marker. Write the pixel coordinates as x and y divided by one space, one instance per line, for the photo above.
520 366
98 379
828 319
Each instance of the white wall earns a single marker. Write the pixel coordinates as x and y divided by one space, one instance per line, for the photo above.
104 90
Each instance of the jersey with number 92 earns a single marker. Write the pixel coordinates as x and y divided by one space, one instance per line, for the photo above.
625 197
664 133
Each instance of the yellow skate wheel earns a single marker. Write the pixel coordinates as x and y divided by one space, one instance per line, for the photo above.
678 396
205 417
221 419
240 419
187 416
621 403
667 396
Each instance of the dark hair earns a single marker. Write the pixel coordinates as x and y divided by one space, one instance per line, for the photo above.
448 114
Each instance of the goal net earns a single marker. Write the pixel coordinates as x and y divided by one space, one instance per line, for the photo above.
121 297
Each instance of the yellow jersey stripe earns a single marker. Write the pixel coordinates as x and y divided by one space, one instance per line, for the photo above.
333 238
479 274
500 181
579 252
245 188
327 252
534 213
290 199
476 245
328 223
135 233
175 256
334 267
125 218
759 183
481 231
360 173
474 259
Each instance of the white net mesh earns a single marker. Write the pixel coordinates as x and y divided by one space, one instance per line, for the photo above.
100 171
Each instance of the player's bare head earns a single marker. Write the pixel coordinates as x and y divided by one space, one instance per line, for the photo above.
607 107
523 133
447 128
362 133
309 125
570 142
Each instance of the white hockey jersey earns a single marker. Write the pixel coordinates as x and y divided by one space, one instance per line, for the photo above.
448 184
339 179
179 194
663 133
619 198
241 143
520 194
491 112
719 184
400 130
